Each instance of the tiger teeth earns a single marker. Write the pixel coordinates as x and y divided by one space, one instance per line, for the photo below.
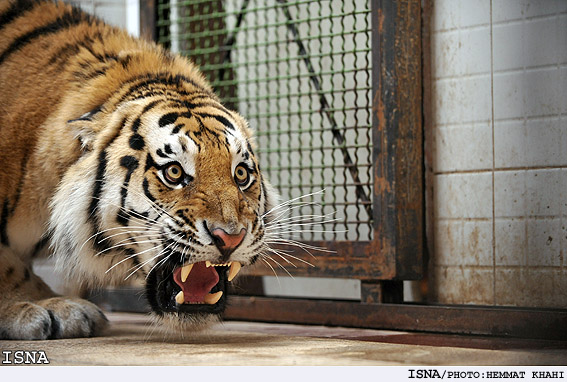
234 269
213 298
185 272
209 264
180 298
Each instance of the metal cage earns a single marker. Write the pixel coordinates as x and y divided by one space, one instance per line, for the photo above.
335 107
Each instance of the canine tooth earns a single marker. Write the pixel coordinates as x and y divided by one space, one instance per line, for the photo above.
213 298
185 272
180 298
234 269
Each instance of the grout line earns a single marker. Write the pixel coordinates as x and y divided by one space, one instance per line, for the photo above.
500 23
481 171
480 75
530 118
502 218
493 158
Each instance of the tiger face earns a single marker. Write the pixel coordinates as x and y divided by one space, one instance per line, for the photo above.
175 198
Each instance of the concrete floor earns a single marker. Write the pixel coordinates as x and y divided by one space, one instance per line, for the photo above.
132 340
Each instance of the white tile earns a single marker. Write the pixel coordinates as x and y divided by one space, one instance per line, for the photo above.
544 242
463 285
445 48
446 14
562 27
474 13
463 195
564 195
474 51
509 95
448 242
543 92
477 247
464 100
463 243
509 194
545 138
543 41
536 8
511 242
529 43
543 193
508 46
563 96
510 144
505 10
527 94
563 242
463 148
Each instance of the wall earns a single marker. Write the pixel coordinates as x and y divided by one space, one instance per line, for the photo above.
499 149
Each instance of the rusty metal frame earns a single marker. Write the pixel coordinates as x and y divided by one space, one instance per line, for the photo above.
548 324
396 251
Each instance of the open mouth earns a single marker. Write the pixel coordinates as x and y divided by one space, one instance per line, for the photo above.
193 288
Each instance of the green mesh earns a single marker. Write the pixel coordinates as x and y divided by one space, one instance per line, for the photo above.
300 72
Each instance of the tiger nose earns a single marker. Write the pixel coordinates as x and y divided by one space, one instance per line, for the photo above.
226 242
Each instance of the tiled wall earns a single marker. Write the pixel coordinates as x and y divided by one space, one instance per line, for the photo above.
121 13
499 120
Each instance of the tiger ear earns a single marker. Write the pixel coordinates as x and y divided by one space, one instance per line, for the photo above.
84 129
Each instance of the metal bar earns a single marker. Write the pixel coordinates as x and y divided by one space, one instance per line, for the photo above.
476 320
148 19
230 40
337 134
397 134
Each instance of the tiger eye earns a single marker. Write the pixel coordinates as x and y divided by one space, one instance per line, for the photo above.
174 173
241 175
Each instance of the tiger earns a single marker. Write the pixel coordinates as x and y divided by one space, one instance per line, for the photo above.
119 161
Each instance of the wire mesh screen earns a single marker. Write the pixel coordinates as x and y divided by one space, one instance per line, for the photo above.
300 72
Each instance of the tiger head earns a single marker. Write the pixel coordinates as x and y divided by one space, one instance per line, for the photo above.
167 189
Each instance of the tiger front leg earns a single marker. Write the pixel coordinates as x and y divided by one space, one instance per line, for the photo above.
30 310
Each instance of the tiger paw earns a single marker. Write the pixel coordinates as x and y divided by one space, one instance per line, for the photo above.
52 318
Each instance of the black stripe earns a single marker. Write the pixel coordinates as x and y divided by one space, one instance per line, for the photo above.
16 10
151 105
69 50
177 128
147 192
206 103
219 118
136 123
63 22
188 134
161 154
166 79
168 119
150 163
40 245
187 221
4 222
131 164
64 53
98 242
55 326
136 142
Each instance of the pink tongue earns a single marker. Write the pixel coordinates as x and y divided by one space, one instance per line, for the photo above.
199 282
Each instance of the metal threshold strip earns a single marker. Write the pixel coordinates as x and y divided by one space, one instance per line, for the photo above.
507 322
